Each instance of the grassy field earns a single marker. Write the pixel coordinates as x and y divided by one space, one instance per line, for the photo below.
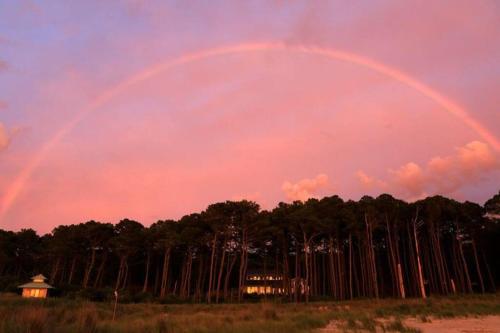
62 315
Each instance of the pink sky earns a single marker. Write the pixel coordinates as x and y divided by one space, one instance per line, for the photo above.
268 125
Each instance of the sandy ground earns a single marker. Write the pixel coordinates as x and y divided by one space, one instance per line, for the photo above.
488 324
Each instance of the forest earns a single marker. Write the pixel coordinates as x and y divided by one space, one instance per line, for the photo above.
372 248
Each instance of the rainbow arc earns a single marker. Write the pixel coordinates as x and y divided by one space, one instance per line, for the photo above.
444 102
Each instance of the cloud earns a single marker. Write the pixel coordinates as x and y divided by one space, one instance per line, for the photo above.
305 188
441 175
410 177
369 182
3 65
475 157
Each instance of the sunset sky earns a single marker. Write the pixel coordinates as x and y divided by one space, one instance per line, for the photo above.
155 109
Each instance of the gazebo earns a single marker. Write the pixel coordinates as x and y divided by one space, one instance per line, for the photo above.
37 288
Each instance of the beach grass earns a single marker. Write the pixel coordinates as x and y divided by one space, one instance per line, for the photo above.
59 315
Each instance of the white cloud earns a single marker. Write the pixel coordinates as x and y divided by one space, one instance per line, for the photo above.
440 175
410 177
305 188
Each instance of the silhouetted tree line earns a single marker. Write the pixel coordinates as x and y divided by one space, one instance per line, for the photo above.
371 248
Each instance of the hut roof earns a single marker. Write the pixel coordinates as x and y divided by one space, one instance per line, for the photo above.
36 285
39 277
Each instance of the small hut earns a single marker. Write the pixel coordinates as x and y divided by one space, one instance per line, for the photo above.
37 288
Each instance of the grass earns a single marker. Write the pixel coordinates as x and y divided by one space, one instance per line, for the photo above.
397 326
62 315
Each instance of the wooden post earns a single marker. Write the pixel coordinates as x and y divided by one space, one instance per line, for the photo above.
453 286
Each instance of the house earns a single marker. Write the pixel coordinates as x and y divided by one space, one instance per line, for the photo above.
264 283
37 288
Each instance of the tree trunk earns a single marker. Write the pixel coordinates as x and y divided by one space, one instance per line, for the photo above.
164 276
362 266
157 278
356 276
146 277
121 273
420 274
350 266
62 276
189 268
88 271
306 263
466 269
72 270
458 266
55 270
340 272
243 254
297 284
478 268
125 276
372 257
392 260
228 275
490 276
414 281
183 276
221 270
210 278
199 278
100 271
332 268
286 273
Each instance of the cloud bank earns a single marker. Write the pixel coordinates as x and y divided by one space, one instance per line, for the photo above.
440 175
305 188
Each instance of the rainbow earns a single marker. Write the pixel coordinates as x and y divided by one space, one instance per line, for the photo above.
446 104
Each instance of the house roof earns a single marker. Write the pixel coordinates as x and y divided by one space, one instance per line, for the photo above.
36 285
